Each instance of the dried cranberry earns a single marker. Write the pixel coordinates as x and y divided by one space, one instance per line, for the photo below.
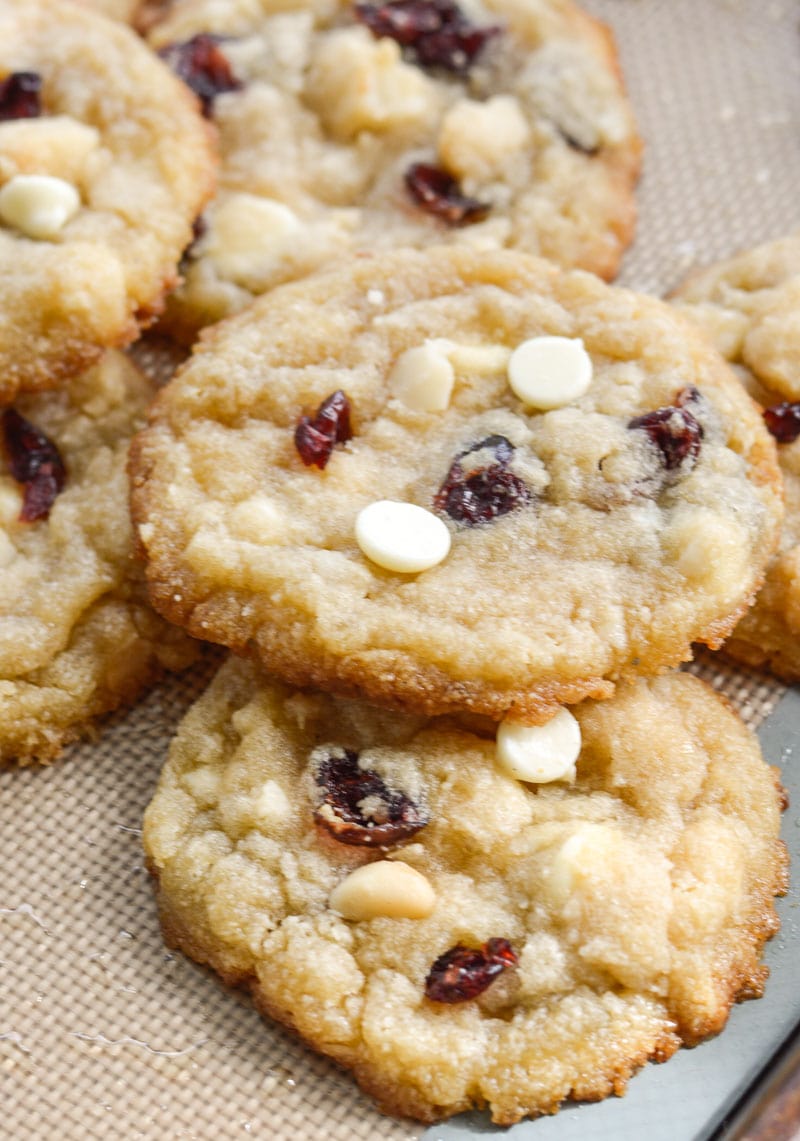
439 194
34 461
391 816
465 972
203 66
674 430
479 494
315 438
783 421
20 96
435 33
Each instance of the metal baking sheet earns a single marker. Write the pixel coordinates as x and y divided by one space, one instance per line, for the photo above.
103 1032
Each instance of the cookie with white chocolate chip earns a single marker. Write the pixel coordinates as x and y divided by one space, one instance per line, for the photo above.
456 935
749 307
350 481
77 636
365 126
105 162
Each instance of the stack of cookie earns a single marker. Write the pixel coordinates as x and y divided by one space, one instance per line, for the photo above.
471 489
455 510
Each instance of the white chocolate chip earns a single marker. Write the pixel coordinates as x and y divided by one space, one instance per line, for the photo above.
248 234
550 372
422 377
401 536
386 888
38 205
540 753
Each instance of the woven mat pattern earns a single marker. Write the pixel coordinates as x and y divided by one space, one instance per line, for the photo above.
103 1033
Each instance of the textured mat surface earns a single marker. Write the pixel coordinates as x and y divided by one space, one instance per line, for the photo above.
103 1033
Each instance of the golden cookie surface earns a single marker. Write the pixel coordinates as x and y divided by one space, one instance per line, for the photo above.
589 553
634 901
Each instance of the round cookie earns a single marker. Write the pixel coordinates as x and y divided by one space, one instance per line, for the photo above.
749 306
505 126
77 636
105 162
620 914
581 549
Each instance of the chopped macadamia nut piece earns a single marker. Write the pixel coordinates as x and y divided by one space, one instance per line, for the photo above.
479 360
389 888
422 377
482 140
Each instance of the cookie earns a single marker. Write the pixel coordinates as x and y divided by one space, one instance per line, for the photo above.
749 307
105 161
349 127
527 557
331 858
77 636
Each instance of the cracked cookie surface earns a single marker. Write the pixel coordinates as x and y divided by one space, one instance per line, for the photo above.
593 553
324 115
635 900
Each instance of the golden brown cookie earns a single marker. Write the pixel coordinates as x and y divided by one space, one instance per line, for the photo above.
546 550
457 937
351 127
750 307
105 161
77 636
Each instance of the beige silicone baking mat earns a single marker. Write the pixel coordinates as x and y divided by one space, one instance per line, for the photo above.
103 1033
